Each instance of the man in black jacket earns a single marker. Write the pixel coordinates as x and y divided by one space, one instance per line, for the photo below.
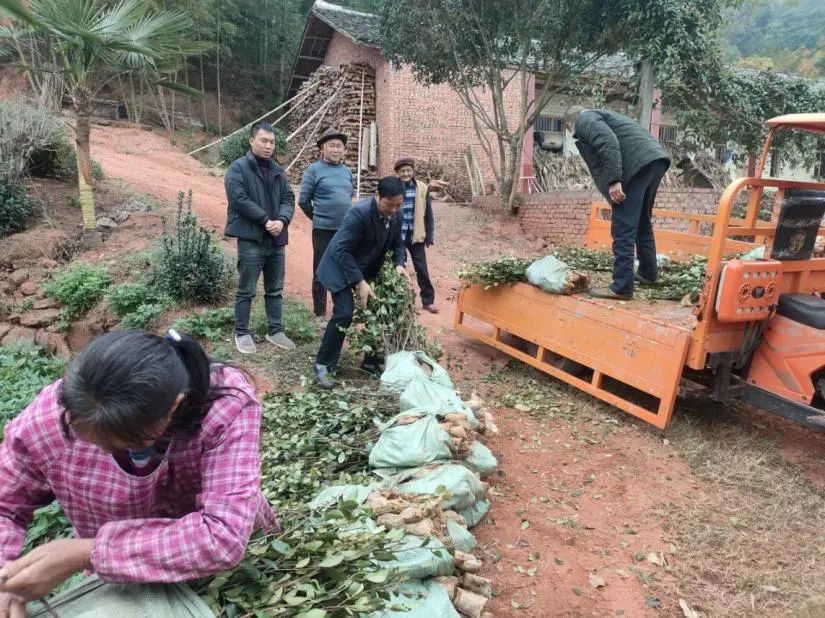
627 164
261 205
370 230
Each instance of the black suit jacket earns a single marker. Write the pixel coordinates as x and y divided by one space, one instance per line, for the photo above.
359 247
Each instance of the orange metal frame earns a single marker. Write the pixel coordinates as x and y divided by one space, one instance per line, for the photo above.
633 349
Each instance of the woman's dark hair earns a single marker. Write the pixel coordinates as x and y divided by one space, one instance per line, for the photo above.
125 382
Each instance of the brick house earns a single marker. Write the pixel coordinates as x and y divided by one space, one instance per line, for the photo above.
411 119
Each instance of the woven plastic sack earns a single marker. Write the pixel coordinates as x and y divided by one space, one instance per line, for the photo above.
331 495
425 599
462 538
423 394
411 446
403 366
463 486
550 274
418 559
474 514
93 598
481 460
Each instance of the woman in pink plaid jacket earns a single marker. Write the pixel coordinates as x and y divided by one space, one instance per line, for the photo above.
153 454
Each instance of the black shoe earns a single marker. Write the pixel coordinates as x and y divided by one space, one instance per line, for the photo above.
322 378
608 294
644 281
373 370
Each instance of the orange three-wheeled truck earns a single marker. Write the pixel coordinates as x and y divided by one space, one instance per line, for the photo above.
756 334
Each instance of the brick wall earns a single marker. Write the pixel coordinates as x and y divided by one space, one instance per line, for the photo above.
561 218
415 120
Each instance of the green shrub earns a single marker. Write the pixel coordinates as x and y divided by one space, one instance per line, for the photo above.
15 207
28 134
78 288
237 146
24 371
212 324
136 304
190 266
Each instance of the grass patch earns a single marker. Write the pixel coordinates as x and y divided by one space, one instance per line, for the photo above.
296 320
755 545
211 324
24 371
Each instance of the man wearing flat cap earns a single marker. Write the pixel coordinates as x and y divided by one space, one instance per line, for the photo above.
418 227
325 197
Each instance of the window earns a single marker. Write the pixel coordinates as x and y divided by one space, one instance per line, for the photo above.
549 124
667 134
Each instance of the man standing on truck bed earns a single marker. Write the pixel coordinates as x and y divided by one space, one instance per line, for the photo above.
325 197
627 164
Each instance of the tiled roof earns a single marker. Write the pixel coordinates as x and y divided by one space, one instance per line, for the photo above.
360 27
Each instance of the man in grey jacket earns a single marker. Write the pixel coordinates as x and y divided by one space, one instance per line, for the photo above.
260 208
627 164
325 197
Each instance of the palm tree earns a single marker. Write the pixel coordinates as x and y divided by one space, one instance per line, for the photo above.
96 42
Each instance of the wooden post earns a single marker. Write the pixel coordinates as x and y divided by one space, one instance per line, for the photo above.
360 127
647 82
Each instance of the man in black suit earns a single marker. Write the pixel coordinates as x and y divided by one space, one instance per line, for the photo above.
370 230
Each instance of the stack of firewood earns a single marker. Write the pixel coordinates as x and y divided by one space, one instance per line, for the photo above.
342 85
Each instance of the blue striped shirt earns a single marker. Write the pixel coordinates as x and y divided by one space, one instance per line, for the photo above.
408 208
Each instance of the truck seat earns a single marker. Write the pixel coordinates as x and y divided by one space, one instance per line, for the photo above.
806 309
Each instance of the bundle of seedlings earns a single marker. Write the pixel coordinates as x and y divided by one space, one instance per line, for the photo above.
455 424
679 280
486 422
326 563
389 323
314 439
503 271
469 593
419 515
579 258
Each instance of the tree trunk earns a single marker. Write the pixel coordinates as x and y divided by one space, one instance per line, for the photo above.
83 109
647 83
218 72
511 173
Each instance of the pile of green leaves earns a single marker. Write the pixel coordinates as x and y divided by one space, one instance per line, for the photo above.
190 266
136 304
503 271
14 208
24 370
78 289
679 279
322 565
390 323
579 258
315 439
237 146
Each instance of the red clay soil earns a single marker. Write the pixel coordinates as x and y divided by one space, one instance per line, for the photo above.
594 499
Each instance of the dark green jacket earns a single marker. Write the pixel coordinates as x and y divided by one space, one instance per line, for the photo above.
253 199
614 147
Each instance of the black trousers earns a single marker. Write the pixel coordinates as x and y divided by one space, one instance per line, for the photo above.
343 306
320 242
418 253
631 226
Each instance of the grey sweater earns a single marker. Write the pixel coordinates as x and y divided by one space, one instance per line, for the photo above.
326 194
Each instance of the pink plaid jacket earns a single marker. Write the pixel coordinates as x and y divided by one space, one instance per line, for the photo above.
191 517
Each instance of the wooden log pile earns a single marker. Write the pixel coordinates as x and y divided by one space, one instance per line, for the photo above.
343 85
